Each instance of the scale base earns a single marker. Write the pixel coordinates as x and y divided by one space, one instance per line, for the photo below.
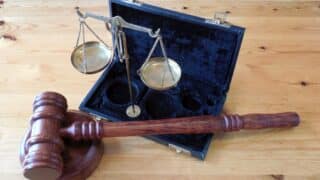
133 111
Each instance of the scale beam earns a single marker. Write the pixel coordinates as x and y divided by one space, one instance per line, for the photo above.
118 22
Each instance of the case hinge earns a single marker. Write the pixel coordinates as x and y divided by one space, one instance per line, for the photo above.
179 149
219 18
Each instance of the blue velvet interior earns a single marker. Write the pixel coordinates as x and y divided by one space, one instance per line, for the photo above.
206 54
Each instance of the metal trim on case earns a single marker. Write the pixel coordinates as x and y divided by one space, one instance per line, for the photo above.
135 2
219 18
179 149
96 117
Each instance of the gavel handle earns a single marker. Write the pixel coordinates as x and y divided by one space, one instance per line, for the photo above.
186 125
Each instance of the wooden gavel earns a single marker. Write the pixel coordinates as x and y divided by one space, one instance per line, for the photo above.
54 132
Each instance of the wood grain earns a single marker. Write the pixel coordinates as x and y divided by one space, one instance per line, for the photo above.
184 125
278 70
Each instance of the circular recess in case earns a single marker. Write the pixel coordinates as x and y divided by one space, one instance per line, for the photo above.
118 92
191 103
160 105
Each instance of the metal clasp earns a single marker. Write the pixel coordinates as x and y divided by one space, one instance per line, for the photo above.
219 18
96 117
179 149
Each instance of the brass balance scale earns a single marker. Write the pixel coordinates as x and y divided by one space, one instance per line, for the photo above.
159 73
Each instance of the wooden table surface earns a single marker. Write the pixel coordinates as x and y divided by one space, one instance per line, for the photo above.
278 70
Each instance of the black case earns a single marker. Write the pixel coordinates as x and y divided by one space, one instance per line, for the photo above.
207 53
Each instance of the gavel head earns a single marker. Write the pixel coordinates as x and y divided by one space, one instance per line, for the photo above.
45 155
43 145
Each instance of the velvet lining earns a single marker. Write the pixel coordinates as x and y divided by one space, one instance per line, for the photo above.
206 53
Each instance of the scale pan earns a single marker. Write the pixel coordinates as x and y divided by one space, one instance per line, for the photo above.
97 57
160 74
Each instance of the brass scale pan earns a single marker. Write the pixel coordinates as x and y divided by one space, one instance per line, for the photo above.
97 57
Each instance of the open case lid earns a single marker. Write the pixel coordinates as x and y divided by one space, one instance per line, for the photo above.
206 51
202 47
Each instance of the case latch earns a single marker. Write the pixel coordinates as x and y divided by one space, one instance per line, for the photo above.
219 18
179 149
